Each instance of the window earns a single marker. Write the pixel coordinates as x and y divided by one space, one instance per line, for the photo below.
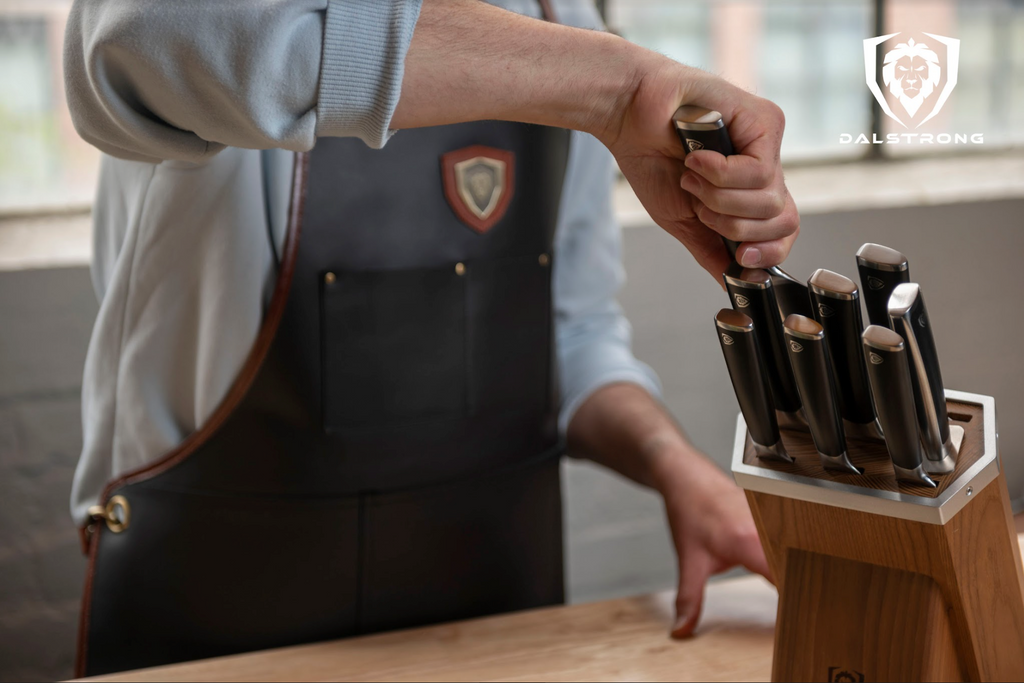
807 56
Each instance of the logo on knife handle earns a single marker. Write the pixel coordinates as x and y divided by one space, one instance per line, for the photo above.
922 322
825 311
875 359
727 340
797 348
875 284
694 145
742 301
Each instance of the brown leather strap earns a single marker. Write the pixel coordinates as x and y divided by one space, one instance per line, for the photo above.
547 11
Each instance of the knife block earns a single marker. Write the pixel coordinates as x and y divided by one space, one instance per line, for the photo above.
886 582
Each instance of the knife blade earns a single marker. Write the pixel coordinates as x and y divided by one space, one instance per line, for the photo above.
805 342
701 128
881 270
909 318
836 304
738 338
752 292
889 376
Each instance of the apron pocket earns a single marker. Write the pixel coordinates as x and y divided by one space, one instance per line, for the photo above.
509 303
393 347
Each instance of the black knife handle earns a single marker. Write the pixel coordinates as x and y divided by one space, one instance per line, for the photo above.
743 358
889 373
836 305
881 270
908 316
753 294
700 128
805 341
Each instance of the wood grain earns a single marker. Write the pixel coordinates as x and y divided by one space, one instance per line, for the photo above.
621 639
962 580
874 458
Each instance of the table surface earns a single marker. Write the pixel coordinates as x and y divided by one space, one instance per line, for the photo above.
623 639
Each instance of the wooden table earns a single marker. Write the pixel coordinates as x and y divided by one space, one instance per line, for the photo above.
625 639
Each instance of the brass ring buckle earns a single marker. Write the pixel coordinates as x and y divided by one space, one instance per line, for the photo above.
116 513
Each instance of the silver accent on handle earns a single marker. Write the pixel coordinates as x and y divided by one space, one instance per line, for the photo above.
950 451
916 475
839 463
776 451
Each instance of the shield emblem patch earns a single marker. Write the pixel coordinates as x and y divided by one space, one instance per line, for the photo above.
478 184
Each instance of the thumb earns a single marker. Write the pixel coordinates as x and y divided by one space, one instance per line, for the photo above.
694 571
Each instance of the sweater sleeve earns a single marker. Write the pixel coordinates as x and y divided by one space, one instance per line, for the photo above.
149 80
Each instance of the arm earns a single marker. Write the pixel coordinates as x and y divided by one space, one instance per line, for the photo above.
623 427
151 80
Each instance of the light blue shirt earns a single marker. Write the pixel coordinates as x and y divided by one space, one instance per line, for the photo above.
182 97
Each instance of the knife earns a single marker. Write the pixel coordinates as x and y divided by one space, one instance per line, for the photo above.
753 293
836 304
700 128
881 270
889 376
743 358
909 317
805 340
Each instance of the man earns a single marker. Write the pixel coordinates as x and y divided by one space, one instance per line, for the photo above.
320 395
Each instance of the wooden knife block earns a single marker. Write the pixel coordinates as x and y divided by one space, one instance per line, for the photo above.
879 582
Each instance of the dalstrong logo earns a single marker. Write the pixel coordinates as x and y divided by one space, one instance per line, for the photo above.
913 72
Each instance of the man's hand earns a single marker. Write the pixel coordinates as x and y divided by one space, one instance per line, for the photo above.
470 61
623 427
712 529
742 197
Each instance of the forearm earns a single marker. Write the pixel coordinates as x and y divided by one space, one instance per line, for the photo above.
471 61
623 427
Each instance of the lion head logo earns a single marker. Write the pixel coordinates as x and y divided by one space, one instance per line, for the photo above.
916 73
911 71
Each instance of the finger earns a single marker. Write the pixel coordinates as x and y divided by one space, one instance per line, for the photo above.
694 570
736 171
765 254
750 229
760 203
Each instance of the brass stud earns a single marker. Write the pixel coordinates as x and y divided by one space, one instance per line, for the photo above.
460 268
544 260
116 513
329 279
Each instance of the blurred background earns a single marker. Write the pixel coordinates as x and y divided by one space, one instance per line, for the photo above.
956 211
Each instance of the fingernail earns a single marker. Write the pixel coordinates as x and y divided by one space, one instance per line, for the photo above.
689 183
751 258
680 622
692 162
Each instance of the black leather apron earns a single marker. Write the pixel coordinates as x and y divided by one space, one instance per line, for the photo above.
388 456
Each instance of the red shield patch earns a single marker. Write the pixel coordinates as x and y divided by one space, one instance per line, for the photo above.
478 184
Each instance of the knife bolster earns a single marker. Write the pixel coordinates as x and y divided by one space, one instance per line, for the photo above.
882 579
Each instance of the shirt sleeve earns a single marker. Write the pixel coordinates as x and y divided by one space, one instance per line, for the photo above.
149 80
593 336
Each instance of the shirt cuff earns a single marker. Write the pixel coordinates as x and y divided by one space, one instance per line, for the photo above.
362 66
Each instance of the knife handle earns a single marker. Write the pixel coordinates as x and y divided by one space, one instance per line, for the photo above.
805 340
889 375
836 306
909 318
738 338
700 128
753 294
881 270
